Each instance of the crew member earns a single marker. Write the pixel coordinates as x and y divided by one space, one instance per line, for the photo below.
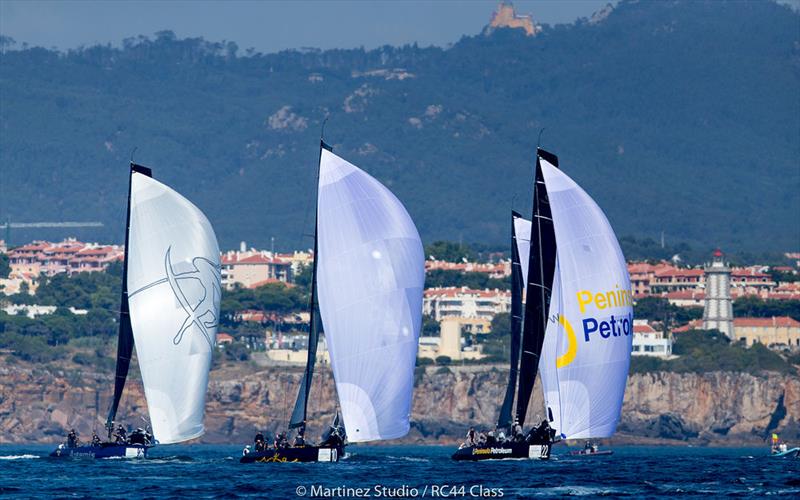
95 439
72 439
121 435
471 436
299 440
259 442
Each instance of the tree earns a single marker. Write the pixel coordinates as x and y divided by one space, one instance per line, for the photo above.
430 327
756 307
4 267
449 251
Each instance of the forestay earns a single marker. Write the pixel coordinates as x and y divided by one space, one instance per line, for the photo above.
586 352
370 277
174 295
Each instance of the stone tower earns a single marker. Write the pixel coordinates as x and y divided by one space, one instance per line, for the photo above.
718 310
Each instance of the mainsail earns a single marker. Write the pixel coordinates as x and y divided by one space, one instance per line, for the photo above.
586 355
172 280
539 283
370 279
125 337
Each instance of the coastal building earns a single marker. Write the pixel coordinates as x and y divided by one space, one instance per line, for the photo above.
69 256
449 343
452 302
246 268
776 332
34 310
498 270
297 354
676 279
718 308
648 341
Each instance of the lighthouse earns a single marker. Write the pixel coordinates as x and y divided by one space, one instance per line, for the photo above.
718 310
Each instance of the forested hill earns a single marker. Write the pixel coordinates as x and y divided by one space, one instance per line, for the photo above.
678 116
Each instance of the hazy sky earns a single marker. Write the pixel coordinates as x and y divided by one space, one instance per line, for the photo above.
268 25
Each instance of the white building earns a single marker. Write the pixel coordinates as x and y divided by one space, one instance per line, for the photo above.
649 342
465 303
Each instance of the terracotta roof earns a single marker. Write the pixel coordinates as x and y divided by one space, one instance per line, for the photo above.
775 321
680 272
643 329
684 295
695 324
224 337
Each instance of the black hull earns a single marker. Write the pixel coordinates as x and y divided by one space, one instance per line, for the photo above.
295 454
103 450
504 451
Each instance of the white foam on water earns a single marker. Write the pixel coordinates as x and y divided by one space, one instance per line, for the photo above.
18 457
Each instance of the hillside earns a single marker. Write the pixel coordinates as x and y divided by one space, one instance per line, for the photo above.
680 116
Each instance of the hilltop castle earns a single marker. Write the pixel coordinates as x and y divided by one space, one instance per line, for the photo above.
506 17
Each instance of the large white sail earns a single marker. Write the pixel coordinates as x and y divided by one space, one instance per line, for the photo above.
587 346
370 277
174 295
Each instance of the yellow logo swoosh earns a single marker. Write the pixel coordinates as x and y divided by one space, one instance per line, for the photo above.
572 344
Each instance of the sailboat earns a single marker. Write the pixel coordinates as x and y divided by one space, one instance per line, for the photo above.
576 327
171 289
367 279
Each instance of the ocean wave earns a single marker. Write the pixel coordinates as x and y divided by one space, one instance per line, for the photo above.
18 457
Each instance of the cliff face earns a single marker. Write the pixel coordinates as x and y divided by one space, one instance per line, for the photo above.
39 406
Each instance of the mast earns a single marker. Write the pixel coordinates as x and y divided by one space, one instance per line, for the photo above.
504 420
300 412
125 339
541 269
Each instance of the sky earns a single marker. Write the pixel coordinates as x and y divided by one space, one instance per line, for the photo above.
269 26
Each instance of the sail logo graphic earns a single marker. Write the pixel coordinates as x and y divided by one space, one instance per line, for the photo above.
201 314
607 327
197 291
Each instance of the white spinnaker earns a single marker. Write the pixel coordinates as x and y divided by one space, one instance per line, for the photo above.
174 296
590 341
370 277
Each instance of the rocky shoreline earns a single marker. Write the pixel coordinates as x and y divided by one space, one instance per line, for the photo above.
38 405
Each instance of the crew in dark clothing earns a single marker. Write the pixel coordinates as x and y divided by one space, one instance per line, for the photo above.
260 444
72 439
516 433
471 436
281 441
299 440
95 439
490 439
121 435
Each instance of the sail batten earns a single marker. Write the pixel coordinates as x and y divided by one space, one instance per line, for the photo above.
370 278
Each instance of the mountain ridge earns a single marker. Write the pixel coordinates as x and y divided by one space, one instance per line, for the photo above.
680 117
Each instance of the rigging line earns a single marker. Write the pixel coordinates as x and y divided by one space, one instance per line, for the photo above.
308 200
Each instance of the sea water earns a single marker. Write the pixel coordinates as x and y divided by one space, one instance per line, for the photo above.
208 471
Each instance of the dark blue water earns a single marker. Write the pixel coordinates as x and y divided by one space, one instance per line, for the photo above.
413 471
